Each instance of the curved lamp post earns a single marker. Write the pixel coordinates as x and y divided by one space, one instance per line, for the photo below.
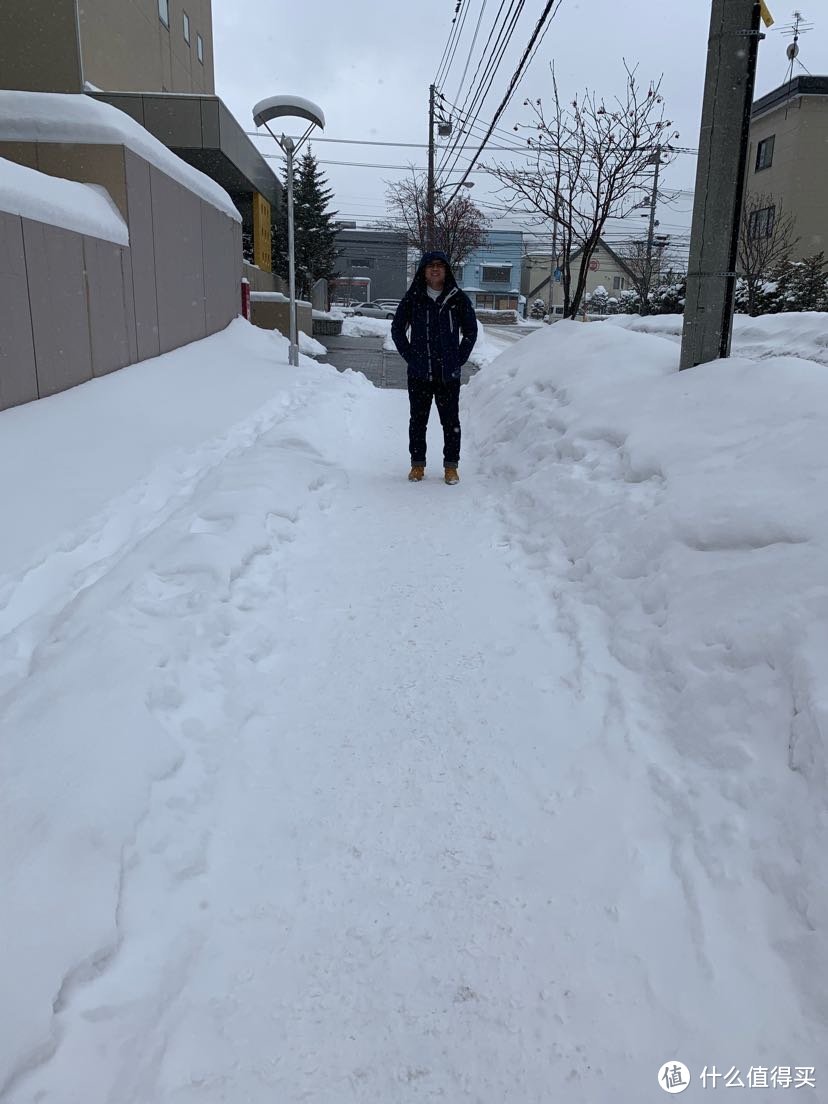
275 107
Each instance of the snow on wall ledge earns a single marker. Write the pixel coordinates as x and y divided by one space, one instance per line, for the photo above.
53 117
84 208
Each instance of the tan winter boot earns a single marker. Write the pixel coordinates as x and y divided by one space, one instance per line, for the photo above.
416 474
452 476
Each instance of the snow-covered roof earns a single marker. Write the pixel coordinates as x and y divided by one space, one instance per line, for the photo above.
84 208
54 117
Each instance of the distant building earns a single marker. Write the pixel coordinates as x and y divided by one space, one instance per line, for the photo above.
542 279
378 256
788 159
491 276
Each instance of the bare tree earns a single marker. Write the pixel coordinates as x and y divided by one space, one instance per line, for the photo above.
645 266
766 239
460 227
588 161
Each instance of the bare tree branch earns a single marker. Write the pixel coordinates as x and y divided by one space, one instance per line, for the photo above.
589 159
460 227
766 240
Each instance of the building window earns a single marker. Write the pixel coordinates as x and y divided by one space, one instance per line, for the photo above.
362 262
764 153
496 274
186 28
618 283
164 12
458 275
761 222
200 48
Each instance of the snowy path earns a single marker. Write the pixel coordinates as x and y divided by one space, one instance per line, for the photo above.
374 865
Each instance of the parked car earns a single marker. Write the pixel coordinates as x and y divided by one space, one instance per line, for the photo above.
392 304
374 310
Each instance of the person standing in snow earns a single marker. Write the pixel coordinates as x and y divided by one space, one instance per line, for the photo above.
434 330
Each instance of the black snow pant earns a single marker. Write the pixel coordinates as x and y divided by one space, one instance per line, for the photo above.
447 397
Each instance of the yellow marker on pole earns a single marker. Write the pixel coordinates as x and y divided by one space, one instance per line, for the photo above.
767 18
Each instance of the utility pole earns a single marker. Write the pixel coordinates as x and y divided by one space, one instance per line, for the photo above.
656 159
732 50
430 184
553 264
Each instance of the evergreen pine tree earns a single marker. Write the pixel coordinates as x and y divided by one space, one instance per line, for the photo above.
315 249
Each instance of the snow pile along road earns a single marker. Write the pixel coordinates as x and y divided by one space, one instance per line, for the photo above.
679 524
800 334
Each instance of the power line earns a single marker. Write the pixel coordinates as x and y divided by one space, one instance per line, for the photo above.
487 61
367 164
360 141
452 33
456 42
547 13
471 48
501 44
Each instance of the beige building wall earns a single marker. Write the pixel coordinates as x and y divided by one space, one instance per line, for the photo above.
127 47
54 66
799 170
116 45
73 307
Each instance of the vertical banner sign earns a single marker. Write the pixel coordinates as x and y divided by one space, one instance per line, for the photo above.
261 233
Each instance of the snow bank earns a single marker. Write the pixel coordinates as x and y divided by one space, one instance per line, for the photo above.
84 208
52 117
683 518
101 468
148 455
801 334
310 346
367 327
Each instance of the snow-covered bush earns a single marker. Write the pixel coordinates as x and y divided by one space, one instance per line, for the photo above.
794 286
597 301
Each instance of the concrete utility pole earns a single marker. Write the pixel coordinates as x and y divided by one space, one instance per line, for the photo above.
430 183
732 50
656 159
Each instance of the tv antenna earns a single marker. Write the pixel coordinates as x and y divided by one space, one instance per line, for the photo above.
799 26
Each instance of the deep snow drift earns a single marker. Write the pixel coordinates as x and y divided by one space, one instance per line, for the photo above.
317 785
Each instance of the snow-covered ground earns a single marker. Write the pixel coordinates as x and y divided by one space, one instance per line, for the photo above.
319 785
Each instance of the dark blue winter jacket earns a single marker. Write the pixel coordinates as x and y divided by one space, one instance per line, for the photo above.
434 336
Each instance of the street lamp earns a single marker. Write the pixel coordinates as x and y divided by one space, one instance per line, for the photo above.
276 107
462 184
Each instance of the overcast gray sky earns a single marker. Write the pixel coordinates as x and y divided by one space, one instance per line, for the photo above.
369 63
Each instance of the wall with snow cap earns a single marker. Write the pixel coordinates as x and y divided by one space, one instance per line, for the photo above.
50 118
94 277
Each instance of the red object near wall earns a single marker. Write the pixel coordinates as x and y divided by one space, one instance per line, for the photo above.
245 298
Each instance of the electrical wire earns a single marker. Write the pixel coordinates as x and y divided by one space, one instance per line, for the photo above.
487 61
471 48
481 92
451 41
456 42
547 14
